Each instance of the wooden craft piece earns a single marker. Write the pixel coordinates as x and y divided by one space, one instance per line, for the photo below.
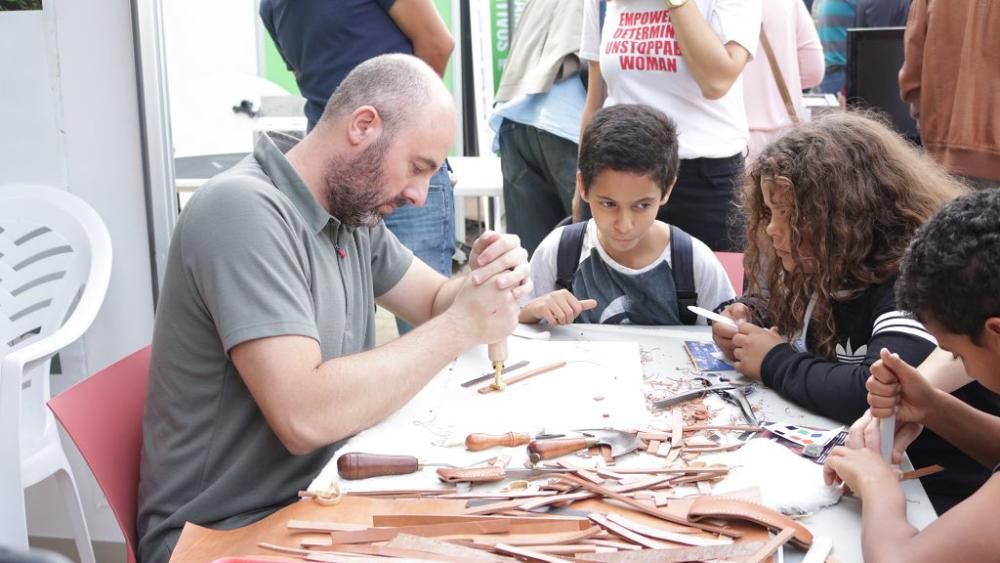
653 447
771 546
664 449
740 509
521 377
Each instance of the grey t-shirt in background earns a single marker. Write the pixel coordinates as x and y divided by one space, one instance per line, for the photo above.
253 256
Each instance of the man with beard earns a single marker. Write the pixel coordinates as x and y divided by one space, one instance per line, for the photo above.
263 348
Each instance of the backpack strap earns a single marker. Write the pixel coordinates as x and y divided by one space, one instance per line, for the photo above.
682 267
568 255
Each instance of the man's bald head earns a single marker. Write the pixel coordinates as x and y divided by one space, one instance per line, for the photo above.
399 87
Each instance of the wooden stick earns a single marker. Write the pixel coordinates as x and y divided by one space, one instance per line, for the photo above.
521 377
677 427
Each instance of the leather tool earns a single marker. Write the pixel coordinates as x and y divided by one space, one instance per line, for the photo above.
521 377
477 442
620 442
498 355
359 465
492 373
694 394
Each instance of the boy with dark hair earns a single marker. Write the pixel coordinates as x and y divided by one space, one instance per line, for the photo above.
950 279
623 266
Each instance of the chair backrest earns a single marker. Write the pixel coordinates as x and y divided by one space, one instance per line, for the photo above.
733 264
103 416
55 265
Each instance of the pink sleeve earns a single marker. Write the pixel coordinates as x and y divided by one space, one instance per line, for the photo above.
811 64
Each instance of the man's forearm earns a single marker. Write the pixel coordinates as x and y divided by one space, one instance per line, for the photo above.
446 294
967 428
357 391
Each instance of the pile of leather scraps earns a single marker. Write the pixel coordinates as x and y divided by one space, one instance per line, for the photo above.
583 515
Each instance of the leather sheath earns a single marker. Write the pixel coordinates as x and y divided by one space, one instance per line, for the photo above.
473 475
728 508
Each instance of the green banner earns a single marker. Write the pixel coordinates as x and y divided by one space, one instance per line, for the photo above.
502 31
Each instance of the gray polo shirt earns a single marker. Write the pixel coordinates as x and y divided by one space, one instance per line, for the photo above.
253 256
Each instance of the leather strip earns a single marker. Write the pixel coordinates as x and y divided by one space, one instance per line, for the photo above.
384 534
517 525
624 532
528 554
741 509
771 546
486 474
677 554
643 507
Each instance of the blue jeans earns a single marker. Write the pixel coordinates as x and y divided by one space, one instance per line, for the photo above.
428 230
833 81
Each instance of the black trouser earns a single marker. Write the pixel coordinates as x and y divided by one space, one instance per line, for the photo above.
539 177
703 202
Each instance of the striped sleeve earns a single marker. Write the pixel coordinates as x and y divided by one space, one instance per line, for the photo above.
902 322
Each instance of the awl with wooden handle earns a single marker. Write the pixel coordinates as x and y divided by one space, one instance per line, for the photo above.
359 465
477 442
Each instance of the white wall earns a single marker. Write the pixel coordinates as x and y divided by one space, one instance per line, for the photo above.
212 64
70 115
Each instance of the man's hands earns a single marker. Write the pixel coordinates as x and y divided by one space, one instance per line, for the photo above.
556 308
486 307
752 343
723 334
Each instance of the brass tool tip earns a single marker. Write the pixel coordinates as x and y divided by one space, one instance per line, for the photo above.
498 383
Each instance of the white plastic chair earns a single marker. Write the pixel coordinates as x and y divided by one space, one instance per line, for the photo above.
55 264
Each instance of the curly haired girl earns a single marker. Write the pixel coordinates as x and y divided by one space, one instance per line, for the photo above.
830 209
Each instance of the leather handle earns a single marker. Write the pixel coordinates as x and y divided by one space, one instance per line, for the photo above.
357 465
474 475
477 442
548 449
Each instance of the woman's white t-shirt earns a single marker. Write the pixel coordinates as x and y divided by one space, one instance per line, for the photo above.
642 63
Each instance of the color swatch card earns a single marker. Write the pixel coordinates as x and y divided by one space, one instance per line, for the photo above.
803 435
706 356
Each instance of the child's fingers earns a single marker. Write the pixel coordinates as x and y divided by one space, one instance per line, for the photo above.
587 304
737 311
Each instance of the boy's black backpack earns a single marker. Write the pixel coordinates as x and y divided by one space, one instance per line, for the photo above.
682 268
